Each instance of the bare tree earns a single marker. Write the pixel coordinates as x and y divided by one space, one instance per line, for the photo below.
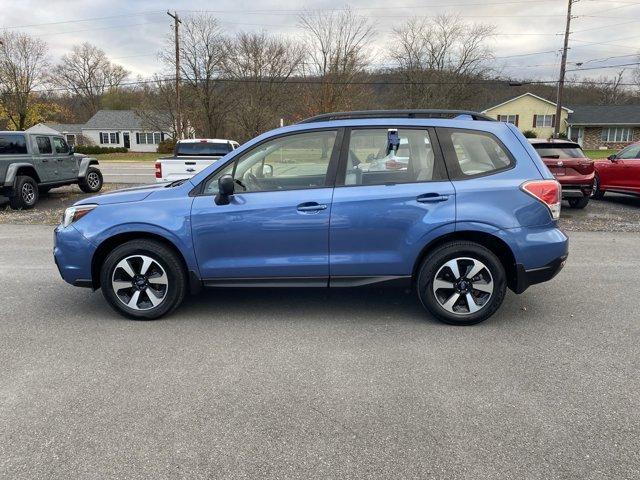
337 56
88 74
439 58
261 65
206 103
23 65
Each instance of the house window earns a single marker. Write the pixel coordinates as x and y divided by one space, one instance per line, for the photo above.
543 120
148 138
508 119
71 139
618 134
112 137
104 138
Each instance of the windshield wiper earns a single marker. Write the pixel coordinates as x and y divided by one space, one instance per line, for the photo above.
176 183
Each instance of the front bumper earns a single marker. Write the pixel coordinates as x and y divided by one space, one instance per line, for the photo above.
526 278
72 253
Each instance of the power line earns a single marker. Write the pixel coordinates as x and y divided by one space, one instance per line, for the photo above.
604 66
131 14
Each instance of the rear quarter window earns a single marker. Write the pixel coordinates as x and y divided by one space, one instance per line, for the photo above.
12 144
471 153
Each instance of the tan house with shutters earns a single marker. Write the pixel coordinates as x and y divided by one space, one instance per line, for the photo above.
530 112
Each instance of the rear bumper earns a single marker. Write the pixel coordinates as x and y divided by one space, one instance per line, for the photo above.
576 190
526 278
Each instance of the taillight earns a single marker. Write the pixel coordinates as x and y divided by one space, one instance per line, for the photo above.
158 170
548 192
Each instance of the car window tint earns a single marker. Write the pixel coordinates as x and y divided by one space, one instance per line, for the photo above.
203 148
294 162
60 145
372 161
559 152
478 153
632 151
44 144
11 144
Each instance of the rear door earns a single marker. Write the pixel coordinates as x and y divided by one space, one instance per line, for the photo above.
392 197
45 160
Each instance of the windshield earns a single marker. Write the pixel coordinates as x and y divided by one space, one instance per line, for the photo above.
203 148
559 151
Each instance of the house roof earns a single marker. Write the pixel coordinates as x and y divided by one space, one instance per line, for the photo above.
66 127
52 128
605 115
529 94
127 120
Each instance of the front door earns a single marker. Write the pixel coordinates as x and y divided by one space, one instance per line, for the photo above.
628 168
275 227
67 164
126 139
391 198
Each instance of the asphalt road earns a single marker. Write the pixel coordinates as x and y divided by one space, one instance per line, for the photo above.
128 172
310 384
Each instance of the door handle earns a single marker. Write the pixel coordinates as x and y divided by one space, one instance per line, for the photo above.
44 160
311 207
432 198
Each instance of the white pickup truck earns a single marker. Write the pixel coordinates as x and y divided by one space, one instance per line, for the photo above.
191 156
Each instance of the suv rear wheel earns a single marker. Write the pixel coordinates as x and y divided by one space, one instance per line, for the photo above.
25 195
461 283
578 202
143 280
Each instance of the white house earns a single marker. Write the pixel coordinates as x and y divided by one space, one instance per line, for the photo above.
125 128
114 128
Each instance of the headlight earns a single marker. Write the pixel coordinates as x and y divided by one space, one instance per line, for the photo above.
73 214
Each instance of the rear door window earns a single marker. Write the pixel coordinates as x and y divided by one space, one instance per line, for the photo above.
44 144
473 153
12 144
371 160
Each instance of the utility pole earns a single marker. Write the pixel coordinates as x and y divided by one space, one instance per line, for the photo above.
563 68
176 22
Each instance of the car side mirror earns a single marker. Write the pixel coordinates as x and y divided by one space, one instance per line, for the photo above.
72 150
226 186
612 158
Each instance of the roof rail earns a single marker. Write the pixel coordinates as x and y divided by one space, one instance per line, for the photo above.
420 113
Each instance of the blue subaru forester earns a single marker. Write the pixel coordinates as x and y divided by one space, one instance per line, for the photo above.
453 203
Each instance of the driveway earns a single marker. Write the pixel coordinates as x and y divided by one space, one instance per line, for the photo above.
311 384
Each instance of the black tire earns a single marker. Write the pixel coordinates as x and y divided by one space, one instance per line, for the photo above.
25 195
596 192
165 258
92 182
578 202
434 264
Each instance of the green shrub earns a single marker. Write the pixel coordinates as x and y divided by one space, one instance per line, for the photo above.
166 146
530 134
94 149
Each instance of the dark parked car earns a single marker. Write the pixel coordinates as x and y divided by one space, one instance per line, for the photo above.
619 173
570 166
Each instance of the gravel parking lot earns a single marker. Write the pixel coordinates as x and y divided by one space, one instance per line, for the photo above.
312 384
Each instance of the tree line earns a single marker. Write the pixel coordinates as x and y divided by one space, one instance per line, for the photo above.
240 85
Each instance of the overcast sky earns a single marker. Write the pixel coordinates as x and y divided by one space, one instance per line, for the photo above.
137 29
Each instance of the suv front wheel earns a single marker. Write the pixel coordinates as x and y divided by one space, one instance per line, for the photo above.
92 182
461 283
143 280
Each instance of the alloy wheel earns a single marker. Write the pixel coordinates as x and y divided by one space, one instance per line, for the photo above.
463 286
140 282
93 180
28 193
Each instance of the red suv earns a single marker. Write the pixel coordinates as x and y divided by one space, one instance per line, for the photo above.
570 166
618 173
